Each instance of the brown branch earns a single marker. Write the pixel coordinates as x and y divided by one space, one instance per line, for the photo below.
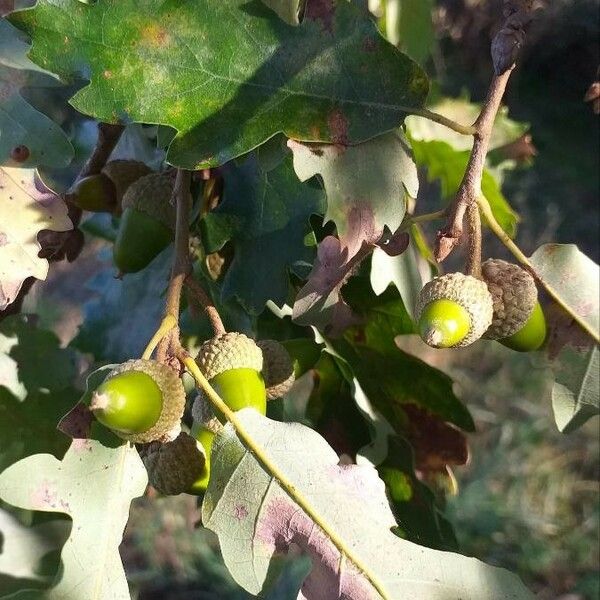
181 263
198 294
505 47
473 266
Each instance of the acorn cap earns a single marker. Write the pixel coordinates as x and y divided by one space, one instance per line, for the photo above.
151 195
467 291
278 369
204 413
123 173
514 295
168 425
174 466
229 351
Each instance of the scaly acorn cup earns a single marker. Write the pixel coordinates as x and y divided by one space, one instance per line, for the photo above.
122 174
453 310
514 296
141 401
232 363
147 224
278 369
174 467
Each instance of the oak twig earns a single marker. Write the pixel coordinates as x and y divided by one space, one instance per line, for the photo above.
473 266
505 47
205 301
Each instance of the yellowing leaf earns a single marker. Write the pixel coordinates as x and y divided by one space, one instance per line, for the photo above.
26 207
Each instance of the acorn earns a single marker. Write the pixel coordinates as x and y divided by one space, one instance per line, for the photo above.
278 369
175 467
531 336
147 225
123 173
141 401
102 192
232 363
453 310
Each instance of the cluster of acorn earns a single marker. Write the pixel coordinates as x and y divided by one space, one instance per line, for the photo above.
143 401
455 310
141 198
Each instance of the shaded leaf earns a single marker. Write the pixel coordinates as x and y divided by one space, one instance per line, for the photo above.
402 271
122 307
463 111
256 521
23 548
332 409
344 83
27 206
366 185
20 123
409 25
413 503
266 216
90 558
573 277
576 390
448 165
390 377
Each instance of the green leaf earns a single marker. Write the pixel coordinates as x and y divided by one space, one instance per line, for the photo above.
265 214
26 207
123 314
413 503
404 271
463 111
408 24
390 377
366 184
94 485
288 10
576 390
338 81
256 521
24 549
573 277
20 123
448 165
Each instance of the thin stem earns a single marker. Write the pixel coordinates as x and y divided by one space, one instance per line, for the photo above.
470 187
181 263
411 220
487 213
473 266
259 453
441 119
168 323
207 304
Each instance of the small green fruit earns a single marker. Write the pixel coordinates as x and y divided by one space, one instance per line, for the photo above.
123 173
147 224
205 438
241 388
531 336
444 323
232 363
174 467
141 401
130 402
95 193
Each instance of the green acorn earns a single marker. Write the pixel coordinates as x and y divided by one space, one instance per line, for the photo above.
141 401
174 467
204 436
453 310
102 192
278 369
147 224
233 363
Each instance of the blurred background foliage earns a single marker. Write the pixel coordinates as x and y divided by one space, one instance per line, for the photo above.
528 498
